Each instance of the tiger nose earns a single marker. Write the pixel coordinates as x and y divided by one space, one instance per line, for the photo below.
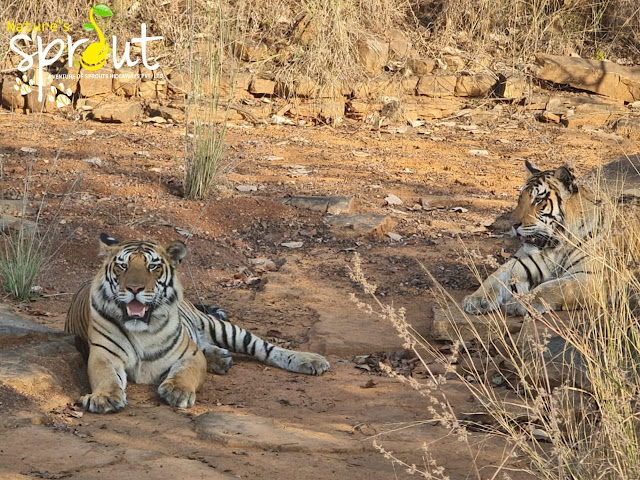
135 288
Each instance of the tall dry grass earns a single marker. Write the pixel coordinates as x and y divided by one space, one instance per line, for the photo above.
318 38
563 393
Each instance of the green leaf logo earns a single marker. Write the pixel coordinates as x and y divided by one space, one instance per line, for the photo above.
88 27
102 10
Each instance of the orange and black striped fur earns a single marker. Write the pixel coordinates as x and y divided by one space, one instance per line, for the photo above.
133 324
554 217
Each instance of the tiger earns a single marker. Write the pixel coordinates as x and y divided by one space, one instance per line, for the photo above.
132 323
554 218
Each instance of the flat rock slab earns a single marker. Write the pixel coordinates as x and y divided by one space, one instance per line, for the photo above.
117 112
354 225
40 369
248 431
620 176
450 325
605 78
12 324
332 205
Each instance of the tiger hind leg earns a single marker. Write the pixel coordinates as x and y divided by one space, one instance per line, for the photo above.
219 360
238 340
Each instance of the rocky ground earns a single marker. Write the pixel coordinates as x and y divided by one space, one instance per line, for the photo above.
430 196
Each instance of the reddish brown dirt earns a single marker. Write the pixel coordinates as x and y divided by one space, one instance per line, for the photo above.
134 195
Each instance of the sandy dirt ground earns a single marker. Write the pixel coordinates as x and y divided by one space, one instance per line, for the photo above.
257 421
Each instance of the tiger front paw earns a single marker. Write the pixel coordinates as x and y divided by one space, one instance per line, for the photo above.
312 364
175 395
103 403
478 304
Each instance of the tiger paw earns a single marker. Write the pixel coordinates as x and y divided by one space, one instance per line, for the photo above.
518 310
219 360
477 305
101 403
176 396
312 364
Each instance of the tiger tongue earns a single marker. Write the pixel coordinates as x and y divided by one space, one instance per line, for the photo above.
136 309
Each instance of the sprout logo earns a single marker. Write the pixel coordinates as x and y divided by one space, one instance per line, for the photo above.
95 55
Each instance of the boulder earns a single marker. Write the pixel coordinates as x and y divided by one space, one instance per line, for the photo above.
479 85
261 87
98 85
606 78
122 112
373 55
354 225
437 85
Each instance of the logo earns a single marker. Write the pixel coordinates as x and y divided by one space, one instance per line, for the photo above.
93 57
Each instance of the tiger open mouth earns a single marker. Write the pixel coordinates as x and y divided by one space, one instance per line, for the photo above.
539 241
136 310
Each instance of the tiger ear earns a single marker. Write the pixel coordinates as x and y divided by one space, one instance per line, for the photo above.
532 170
177 251
565 176
106 243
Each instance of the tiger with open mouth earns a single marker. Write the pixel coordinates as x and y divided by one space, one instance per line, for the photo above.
132 323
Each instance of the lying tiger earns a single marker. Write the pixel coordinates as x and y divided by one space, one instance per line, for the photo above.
554 217
134 325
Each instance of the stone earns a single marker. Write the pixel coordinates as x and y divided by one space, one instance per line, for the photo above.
117 112
479 85
249 50
179 82
126 81
454 63
594 115
360 110
32 104
152 89
240 430
90 86
340 204
437 85
11 98
292 245
549 117
355 225
431 109
88 103
606 78
9 223
385 86
373 55
331 205
420 67
391 199
31 358
513 87
247 188
629 127
175 114
399 44
97 161
262 86
453 324
324 110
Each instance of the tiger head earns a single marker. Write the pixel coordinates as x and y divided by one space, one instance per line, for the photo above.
138 285
540 217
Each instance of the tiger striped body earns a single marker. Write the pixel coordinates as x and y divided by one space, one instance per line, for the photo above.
133 324
554 218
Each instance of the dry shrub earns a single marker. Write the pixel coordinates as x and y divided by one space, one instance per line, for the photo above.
563 393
